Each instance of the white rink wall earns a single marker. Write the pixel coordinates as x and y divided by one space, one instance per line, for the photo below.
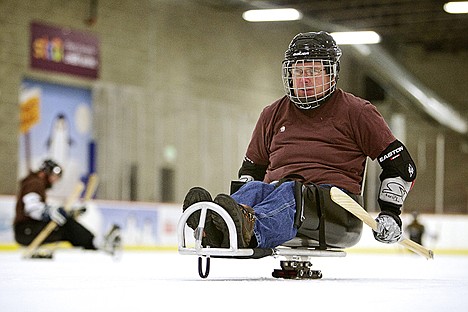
144 225
154 226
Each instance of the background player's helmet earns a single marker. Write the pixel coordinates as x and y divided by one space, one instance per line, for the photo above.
51 167
320 49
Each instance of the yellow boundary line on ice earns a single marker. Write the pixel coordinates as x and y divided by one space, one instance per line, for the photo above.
451 252
64 245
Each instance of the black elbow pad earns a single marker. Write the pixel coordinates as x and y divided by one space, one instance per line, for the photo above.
397 177
396 161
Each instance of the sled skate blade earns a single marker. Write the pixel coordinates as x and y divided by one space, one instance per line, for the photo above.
291 269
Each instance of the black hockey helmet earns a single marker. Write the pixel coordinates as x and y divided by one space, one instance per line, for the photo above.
51 167
313 45
317 48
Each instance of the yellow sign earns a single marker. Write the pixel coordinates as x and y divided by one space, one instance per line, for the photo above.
29 113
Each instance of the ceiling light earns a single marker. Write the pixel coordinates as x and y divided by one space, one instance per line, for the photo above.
272 15
460 7
356 37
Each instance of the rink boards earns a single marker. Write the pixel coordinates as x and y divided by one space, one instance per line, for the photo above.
153 226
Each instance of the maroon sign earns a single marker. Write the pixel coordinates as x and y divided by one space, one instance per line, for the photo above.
64 50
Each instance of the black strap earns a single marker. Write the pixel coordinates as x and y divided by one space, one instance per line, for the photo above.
321 214
299 197
322 242
290 177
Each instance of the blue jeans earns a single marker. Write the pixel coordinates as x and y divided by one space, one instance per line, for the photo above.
275 208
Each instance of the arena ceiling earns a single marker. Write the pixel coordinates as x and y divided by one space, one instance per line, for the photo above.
399 22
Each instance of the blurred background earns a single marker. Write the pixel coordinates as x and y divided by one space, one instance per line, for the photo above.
178 86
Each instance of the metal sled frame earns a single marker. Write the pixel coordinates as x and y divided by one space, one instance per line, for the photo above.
293 251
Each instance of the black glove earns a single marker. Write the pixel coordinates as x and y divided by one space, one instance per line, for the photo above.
56 214
388 228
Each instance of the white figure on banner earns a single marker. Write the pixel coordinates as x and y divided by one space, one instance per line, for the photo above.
59 144
59 141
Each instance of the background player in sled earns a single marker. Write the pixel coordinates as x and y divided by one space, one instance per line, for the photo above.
415 229
314 137
33 213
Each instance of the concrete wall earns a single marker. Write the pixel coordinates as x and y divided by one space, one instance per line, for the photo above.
180 76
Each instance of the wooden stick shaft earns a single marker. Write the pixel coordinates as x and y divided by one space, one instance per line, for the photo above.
91 187
415 247
342 199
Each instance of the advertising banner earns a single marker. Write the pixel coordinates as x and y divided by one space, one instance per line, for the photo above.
55 123
64 50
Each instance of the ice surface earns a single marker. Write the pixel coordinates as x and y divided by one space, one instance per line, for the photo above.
85 281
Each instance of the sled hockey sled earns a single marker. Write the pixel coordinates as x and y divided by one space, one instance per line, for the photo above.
296 253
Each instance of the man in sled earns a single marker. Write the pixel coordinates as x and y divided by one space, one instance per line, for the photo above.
315 137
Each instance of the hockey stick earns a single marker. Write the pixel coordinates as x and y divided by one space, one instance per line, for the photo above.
91 187
52 225
342 199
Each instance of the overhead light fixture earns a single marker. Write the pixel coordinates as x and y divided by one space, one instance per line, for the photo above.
356 37
460 7
272 15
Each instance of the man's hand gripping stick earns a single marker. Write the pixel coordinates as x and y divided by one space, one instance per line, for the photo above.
342 199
